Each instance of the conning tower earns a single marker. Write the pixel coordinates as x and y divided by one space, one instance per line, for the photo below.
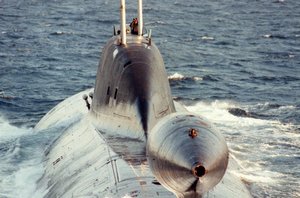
132 72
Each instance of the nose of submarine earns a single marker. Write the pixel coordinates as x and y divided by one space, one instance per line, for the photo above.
186 155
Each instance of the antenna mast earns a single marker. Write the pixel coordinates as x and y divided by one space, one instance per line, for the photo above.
123 21
140 17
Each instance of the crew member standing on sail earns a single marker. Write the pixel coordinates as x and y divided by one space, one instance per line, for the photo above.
134 26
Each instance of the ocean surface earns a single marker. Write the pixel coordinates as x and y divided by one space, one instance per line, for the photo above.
235 62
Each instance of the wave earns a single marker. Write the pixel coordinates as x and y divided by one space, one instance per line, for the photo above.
21 160
59 33
8 131
268 105
3 95
155 23
207 38
278 36
257 144
227 110
218 112
276 78
286 113
178 77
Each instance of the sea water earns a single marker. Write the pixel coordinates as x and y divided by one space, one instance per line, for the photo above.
235 62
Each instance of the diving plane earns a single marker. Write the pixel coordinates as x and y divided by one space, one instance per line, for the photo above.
127 137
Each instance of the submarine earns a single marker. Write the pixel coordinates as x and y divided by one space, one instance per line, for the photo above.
127 137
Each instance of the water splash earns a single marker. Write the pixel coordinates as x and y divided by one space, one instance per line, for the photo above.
19 169
261 147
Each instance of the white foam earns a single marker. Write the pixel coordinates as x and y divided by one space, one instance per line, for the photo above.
197 78
8 131
26 178
217 112
288 107
253 178
176 76
18 173
214 111
267 35
207 38
268 104
127 196
251 141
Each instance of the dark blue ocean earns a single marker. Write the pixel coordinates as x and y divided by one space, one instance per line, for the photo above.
235 62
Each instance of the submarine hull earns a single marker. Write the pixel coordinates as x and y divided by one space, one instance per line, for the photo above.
129 138
80 162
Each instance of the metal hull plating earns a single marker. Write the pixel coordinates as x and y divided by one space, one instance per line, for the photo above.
80 163
133 140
